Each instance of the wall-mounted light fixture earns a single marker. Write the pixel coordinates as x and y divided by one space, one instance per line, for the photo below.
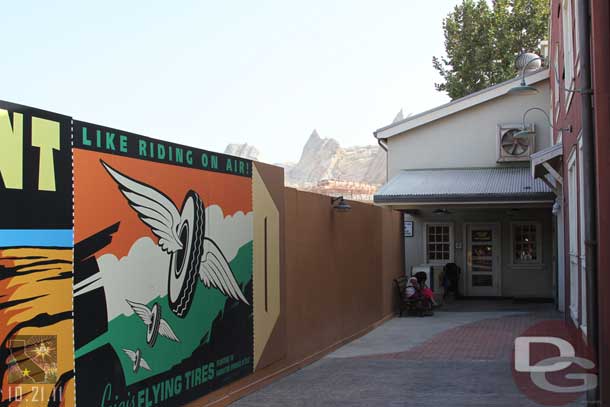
441 211
527 130
340 204
522 62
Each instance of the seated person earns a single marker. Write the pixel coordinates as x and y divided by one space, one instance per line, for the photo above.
426 292
429 295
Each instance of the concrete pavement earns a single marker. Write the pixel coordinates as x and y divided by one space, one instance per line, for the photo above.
459 357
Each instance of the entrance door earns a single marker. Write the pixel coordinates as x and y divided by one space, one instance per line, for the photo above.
483 260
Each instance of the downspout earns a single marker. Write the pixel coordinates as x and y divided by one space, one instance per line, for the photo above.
384 145
589 192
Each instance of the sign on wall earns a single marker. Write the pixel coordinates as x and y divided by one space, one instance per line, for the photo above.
163 269
35 258
408 228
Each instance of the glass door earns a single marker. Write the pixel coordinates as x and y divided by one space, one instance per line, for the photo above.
483 260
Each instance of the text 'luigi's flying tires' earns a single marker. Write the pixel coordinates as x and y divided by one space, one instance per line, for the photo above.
185 262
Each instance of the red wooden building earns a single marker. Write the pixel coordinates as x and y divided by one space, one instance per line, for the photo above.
580 67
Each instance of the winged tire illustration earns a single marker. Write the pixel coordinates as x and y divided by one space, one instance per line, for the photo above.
182 236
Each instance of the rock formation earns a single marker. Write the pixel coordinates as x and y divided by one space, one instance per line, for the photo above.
324 159
243 150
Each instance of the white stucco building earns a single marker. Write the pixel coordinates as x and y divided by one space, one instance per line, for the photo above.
463 182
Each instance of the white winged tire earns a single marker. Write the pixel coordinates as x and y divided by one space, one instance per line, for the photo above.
152 331
185 262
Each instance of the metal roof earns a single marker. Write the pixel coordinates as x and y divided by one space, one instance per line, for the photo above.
512 184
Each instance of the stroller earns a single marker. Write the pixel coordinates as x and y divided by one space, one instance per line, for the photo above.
451 278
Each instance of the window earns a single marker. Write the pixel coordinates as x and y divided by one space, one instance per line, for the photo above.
568 48
573 235
527 243
577 35
556 82
439 243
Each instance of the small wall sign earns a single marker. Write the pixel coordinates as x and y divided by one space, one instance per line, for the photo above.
408 228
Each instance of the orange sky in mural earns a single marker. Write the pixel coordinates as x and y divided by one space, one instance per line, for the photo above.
98 203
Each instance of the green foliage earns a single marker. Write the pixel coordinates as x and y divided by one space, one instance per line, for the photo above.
482 42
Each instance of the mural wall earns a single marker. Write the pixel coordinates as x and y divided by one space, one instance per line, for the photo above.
36 351
151 269
163 269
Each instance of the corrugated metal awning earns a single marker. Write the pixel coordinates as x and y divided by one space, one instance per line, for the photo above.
471 185
545 165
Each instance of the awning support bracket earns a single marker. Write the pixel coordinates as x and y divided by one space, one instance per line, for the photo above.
550 185
553 172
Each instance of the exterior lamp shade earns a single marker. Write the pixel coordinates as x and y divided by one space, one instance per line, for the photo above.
523 90
526 62
340 204
523 134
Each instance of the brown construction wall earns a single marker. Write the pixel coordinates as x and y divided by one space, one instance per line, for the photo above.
392 258
338 270
335 270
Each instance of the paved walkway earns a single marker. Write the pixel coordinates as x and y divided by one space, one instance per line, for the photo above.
459 357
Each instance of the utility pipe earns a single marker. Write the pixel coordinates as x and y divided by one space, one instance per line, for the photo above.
589 192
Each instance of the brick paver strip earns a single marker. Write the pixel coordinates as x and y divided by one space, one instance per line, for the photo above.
489 339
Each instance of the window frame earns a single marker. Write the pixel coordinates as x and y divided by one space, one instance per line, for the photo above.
572 200
539 243
581 239
451 243
576 15
556 83
567 28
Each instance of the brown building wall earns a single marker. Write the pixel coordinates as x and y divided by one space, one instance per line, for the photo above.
338 269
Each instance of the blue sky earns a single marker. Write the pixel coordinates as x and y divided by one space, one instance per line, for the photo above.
207 73
36 238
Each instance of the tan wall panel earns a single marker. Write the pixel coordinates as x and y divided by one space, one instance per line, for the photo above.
274 348
266 273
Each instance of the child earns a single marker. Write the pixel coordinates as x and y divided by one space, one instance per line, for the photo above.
426 292
412 290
